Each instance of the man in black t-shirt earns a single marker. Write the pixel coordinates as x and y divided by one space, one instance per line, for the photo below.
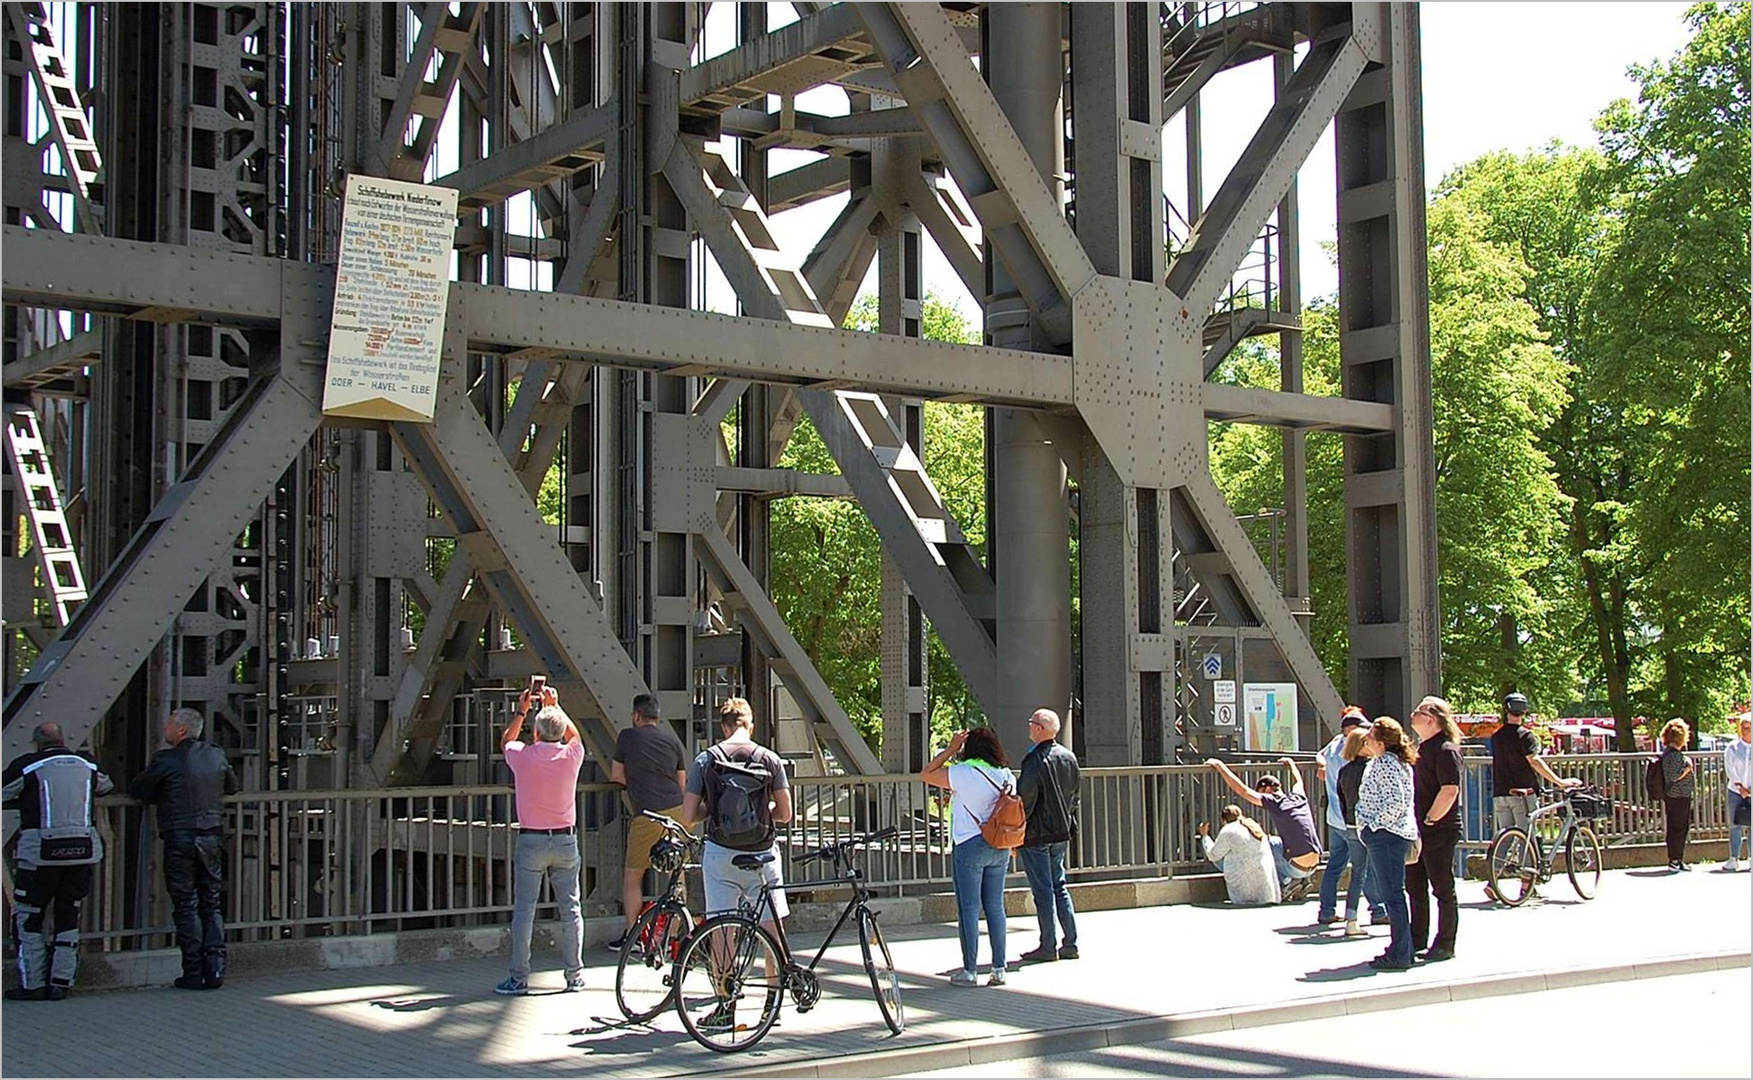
651 764
1516 768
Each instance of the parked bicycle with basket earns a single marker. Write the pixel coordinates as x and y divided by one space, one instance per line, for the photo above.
733 974
1519 860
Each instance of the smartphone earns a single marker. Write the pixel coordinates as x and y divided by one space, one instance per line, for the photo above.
538 683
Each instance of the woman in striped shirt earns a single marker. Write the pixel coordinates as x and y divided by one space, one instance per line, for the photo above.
1389 828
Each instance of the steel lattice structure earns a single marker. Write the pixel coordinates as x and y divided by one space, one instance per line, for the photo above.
346 600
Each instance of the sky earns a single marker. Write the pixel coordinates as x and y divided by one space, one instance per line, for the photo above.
1497 76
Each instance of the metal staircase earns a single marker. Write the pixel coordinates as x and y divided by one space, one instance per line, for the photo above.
60 102
63 582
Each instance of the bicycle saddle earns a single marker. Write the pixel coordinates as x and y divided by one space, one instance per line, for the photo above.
751 860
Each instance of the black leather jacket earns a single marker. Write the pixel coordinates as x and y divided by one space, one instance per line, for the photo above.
186 783
1048 788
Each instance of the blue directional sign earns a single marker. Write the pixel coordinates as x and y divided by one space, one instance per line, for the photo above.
1213 665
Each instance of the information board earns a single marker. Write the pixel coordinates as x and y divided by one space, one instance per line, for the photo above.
1269 717
392 286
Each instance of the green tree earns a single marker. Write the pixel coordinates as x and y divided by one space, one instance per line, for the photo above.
830 560
1495 386
1672 318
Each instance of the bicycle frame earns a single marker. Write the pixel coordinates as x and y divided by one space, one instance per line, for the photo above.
1567 825
850 875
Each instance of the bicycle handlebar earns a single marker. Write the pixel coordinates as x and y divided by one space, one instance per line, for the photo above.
671 825
832 850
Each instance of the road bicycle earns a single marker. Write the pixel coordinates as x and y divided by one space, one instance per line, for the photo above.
645 975
733 974
1518 861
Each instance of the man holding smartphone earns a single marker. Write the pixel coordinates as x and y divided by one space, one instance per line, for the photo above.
545 775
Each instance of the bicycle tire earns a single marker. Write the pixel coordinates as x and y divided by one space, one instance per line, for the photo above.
885 983
748 964
1511 866
1582 861
645 982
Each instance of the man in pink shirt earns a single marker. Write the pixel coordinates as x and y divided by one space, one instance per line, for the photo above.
546 776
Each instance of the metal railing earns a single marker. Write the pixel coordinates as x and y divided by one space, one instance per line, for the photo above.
321 863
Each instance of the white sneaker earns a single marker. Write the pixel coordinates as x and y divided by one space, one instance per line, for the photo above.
1734 864
996 978
1354 930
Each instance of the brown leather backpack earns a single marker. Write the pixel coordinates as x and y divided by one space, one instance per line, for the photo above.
1005 827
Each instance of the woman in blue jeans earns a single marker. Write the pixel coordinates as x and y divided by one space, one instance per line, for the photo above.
1389 828
980 772
1348 845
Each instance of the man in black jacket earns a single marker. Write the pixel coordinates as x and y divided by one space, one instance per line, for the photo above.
186 782
1048 787
53 789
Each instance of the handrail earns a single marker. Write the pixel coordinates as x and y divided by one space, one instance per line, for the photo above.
319 863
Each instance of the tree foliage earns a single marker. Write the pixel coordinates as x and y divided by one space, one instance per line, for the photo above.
829 559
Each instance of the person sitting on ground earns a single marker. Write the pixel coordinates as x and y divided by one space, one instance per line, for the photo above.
1297 847
1357 758
1241 852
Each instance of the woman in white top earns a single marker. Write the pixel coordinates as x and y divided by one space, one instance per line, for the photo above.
1241 852
978 868
1385 819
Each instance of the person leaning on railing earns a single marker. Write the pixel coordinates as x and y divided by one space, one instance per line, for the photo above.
1297 847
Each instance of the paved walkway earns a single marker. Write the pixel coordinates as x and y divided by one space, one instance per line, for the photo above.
441 1019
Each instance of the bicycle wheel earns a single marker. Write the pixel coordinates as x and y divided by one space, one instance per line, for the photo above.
730 982
645 981
880 966
1511 867
1582 861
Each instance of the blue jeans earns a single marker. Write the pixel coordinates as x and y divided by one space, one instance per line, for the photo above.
556 858
1045 867
979 870
1387 852
1345 848
1737 833
1286 872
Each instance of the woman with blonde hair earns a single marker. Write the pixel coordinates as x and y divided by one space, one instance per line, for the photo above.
1350 846
1389 829
1680 781
1241 852
1436 803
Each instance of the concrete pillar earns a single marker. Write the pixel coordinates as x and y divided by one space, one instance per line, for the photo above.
1030 515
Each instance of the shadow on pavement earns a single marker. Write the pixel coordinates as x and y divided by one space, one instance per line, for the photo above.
1359 970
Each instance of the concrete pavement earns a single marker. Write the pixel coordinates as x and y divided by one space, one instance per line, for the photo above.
1204 967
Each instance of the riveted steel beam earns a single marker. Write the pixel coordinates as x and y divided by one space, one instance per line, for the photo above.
1023 222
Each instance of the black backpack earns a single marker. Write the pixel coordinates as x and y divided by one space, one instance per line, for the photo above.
736 788
1655 782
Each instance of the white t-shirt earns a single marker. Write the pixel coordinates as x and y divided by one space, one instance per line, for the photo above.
973 797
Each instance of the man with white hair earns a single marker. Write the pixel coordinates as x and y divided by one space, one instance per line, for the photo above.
546 778
186 782
1048 788
1738 773
53 789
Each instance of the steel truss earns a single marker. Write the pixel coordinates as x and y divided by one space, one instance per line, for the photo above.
233 528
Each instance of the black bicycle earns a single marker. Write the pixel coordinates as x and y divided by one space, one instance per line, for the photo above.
733 974
645 976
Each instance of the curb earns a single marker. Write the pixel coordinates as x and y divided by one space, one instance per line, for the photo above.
1082 1037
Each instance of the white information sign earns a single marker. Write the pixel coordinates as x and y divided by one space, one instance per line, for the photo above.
1212 666
391 290
1223 714
1224 690
1270 717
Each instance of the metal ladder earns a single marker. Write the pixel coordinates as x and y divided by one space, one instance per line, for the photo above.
62 578
60 100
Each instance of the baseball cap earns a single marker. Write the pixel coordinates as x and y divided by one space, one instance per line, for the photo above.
1352 717
1516 703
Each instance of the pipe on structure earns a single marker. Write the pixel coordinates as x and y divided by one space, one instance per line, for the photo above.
1030 515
